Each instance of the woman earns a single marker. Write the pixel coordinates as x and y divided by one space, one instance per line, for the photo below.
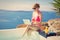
37 16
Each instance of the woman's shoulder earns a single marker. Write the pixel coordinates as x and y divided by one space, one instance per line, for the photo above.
39 12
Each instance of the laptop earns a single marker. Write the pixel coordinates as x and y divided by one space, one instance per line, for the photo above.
27 21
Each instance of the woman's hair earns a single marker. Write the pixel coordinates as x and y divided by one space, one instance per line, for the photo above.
36 6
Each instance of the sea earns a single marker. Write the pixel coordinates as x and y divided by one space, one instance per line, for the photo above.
10 19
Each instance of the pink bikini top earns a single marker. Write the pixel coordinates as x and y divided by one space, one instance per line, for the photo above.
38 19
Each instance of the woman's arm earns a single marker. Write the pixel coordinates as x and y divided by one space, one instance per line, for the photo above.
40 15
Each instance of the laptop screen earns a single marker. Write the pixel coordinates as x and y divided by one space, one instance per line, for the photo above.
26 21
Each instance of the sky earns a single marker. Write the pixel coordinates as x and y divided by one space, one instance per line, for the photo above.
25 4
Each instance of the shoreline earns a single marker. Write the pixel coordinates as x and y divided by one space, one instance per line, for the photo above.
12 29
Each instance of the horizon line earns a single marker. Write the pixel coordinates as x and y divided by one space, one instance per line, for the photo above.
23 10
